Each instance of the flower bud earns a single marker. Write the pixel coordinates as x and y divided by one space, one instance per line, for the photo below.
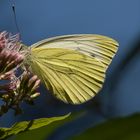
35 95
5 97
15 87
32 81
36 85
9 87
24 80
19 59
3 40
7 76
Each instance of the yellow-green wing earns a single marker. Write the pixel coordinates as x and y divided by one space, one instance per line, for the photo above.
73 67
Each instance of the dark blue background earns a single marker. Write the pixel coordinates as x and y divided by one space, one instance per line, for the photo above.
39 19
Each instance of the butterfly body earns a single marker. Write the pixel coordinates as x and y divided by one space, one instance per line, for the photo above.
73 67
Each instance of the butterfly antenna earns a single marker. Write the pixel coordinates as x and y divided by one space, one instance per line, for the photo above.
15 19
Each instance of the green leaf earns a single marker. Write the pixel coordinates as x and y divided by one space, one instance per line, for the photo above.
28 125
126 128
44 133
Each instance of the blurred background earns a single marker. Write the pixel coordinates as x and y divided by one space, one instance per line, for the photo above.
119 19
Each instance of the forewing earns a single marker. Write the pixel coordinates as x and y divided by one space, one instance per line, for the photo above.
73 67
100 47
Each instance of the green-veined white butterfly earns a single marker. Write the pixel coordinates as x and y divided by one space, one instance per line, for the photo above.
73 67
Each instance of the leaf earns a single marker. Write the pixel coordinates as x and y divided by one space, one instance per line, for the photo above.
47 132
126 128
28 125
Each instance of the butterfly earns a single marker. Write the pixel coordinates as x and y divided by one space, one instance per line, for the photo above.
72 67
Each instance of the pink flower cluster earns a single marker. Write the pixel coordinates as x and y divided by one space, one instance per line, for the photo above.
10 56
15 89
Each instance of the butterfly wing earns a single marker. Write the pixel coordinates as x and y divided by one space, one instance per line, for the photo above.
73 67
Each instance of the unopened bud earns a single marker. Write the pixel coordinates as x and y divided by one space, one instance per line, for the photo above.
7 76
19 59
24 80
5 97
3 54
9 66
35 95
3 40
9 86
32 81
36 85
